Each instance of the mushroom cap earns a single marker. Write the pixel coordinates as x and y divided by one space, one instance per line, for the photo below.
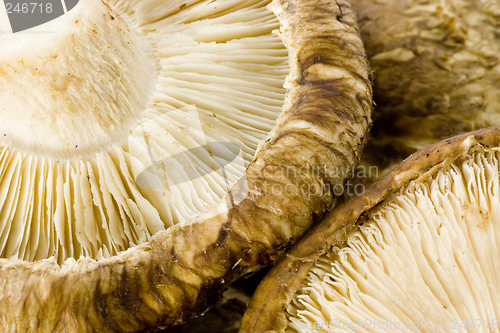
436 66
283 184
418 246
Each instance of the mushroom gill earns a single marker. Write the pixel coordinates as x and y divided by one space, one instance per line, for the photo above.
118 124
426 258
208 174
417 251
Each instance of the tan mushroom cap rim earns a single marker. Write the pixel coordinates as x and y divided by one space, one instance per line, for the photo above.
283 281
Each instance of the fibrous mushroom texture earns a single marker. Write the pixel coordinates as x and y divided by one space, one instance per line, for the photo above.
436 66
428 256
125 118
167 126
418 251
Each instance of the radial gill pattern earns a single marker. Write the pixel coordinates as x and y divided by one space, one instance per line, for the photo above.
425 261
219 72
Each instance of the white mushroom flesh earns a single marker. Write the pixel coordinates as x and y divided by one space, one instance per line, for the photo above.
125 118
426 260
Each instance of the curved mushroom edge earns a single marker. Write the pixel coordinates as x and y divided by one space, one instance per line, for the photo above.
183 270
266 311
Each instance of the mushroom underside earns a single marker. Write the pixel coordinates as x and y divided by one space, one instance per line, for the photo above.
282 180
117 125
426 258
418 248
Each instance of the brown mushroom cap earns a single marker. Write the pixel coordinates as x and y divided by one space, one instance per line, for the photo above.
182 270
278 300
436 68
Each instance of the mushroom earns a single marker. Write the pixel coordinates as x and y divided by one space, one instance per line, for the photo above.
225 317
436 69
150 156
417 251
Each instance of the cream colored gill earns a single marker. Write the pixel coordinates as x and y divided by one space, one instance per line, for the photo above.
427 255
131 117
